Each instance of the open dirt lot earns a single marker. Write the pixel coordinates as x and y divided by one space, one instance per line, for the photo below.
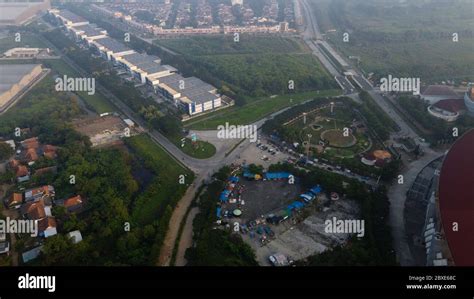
299 240
264 197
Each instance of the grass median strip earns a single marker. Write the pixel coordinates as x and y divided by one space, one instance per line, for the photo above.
256 110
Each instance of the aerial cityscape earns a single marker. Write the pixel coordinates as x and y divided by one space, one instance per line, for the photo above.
285 133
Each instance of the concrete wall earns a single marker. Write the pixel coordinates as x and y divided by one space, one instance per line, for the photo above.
17 87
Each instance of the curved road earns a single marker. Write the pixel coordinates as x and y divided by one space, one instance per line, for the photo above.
396 193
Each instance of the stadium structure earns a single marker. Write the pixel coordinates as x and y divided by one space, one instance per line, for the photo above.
448 232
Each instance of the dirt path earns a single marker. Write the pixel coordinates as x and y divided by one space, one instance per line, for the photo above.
186 240
175 221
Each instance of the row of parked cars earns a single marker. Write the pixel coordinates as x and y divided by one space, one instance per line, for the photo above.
264 147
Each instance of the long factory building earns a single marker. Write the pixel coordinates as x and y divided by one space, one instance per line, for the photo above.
192 95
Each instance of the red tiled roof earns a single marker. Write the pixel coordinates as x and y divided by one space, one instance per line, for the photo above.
456 199
46 223
21 171
50 155
73 201
35 210
31 155
451 105
45 170
14 163
15 198
49 148
30 143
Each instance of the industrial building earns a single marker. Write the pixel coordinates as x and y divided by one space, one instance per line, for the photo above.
16 13
24 52
192 95
88 33
149 72
14 78
68 18
111 49
132 62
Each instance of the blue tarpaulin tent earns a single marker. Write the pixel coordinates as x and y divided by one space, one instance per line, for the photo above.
296 205
249 175
277 175
224 195
234 179
307 196
316 190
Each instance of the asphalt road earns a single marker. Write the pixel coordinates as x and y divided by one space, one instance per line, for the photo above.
396 193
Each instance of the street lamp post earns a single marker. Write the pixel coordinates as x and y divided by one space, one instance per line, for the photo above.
308 147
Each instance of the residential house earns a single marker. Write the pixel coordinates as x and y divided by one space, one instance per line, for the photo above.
4 244
47 227
14 201
35 210
22 174
45 192
75 236
30 143
74 204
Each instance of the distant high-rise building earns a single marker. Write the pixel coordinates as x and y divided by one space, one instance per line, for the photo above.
284 26
469 99
237 2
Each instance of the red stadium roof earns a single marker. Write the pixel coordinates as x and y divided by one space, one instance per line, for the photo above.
456 199
451 105
440 90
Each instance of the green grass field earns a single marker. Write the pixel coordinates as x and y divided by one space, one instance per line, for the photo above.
166 190
217 45
97 101
431 61
331 126
27 40
394 16
255 66
202 149
255 110
266 74
405 38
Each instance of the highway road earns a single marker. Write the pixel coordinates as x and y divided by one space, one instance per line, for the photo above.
310 32
204 168
397 200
